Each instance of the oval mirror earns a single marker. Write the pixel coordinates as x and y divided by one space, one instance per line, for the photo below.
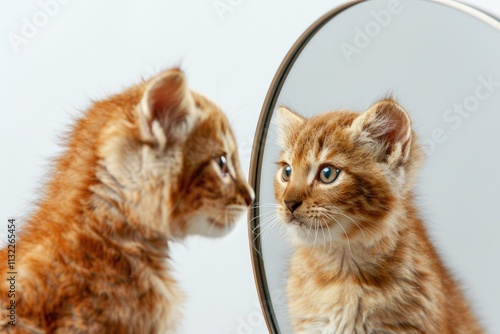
440 60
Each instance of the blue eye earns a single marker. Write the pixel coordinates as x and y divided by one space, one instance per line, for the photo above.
286 173
328 174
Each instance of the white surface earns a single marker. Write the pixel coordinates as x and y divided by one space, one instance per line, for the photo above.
89 49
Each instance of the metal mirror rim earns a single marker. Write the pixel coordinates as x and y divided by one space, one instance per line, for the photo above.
261 135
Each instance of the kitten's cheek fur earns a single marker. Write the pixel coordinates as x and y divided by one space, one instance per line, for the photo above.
205 225
207 228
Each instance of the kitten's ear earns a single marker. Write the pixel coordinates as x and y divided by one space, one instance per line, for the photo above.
386 127
289 123
167 108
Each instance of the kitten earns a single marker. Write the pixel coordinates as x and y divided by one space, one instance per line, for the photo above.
154 163
363 261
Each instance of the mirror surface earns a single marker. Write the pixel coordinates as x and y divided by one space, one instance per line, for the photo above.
440 60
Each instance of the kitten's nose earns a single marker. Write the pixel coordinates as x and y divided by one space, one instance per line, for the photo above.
292 205
248 195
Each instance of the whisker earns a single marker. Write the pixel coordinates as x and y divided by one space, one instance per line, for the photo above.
258 231
336 211
267 205
330 243
266 226
268 216
345 232
262 214
270 223
315 238
324 237
266 229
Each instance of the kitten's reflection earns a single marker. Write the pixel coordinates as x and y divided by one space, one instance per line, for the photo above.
363 262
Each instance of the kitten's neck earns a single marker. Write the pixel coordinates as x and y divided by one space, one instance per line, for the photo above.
108 214
136 243
84 212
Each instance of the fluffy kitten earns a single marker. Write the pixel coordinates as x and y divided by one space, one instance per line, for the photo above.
363 261
154 163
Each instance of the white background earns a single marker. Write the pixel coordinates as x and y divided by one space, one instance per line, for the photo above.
90 49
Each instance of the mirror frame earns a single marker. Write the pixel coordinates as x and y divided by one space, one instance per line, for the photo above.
261 137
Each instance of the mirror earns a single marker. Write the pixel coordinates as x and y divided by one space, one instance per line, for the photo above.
440 60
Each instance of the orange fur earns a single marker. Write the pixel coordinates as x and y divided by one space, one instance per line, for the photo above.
363 261
141 168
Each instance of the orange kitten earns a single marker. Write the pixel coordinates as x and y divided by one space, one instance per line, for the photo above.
363 261
154 163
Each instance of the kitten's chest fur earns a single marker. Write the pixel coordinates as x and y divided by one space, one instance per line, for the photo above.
322 307
342 314
395 288
344 308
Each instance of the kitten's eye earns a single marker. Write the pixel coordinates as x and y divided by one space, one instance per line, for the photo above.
329 174
286 173
222 163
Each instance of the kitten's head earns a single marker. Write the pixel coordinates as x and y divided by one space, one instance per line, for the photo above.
171 160
342 174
